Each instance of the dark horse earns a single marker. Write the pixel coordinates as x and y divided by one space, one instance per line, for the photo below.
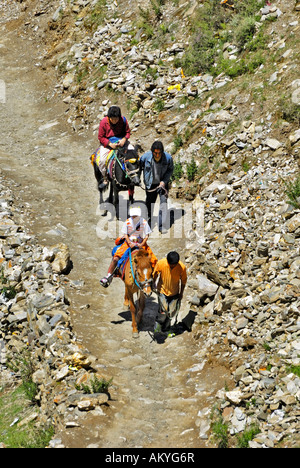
124 174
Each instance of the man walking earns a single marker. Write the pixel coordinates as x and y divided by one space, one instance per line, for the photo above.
158 168
171 275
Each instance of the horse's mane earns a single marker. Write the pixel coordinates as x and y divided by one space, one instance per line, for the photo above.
142 258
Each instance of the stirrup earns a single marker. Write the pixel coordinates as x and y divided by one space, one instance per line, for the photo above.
105 282
103 184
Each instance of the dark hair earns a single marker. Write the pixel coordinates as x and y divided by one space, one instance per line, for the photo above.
114 111
173 258
157 145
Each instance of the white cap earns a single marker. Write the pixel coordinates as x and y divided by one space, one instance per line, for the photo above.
135 211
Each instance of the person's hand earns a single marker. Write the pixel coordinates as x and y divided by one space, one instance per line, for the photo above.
122 142
162 184
132 244
113 145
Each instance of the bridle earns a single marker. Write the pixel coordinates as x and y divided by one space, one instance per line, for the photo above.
123 166
140 284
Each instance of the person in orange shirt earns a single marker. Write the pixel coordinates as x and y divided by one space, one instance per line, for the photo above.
171 277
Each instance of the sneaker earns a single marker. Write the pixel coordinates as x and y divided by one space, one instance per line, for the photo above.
171 335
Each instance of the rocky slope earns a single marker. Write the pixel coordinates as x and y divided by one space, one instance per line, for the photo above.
243 255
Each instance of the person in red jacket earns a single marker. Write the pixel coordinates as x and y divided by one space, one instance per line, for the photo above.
113 132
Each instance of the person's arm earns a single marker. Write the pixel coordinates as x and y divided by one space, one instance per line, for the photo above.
169 172
127 239
103 140
183 282
144 241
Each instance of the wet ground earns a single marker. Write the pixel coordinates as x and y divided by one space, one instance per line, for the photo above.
161 391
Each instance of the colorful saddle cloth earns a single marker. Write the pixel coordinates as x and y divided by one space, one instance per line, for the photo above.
122 262
96 156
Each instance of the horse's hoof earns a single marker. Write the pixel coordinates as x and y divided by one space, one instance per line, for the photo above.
135 335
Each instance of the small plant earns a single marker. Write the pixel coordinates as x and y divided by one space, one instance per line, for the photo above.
294 370
293 192
159 105
245 166
245 31
23 365
97 386
220 431
97 15
191 170
289 111
178 171
247 436
178 142
6 289
266 346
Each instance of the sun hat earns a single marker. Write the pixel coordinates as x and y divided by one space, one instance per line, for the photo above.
135 211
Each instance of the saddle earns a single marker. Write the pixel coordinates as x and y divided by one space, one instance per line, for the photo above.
120 270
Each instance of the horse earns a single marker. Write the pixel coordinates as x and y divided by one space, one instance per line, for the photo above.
123 174
137 279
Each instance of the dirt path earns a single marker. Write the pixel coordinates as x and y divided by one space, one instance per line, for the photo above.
160 390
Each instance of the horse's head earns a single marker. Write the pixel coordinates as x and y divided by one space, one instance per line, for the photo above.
143 271
130 158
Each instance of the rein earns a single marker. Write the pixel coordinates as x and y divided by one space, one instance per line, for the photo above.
127 173
155 189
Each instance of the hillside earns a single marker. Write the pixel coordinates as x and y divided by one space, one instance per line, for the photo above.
219 84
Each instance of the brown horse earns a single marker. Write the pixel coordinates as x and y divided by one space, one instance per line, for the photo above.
137 279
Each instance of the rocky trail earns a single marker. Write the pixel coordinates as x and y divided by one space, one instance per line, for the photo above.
159 389
241 355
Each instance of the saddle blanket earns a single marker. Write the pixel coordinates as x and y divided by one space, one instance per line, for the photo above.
109 159
122 262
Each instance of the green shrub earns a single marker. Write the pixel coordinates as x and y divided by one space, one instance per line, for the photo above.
96 16
289 111
220 432
293 192
97 386
191 170
247 436
294 370
245 31
212 27
178 171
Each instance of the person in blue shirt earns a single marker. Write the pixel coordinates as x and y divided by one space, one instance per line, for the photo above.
158 167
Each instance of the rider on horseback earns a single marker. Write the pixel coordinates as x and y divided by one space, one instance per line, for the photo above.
113 132
135 232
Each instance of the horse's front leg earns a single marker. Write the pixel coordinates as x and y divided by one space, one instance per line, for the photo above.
115 198
102 204
141 308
